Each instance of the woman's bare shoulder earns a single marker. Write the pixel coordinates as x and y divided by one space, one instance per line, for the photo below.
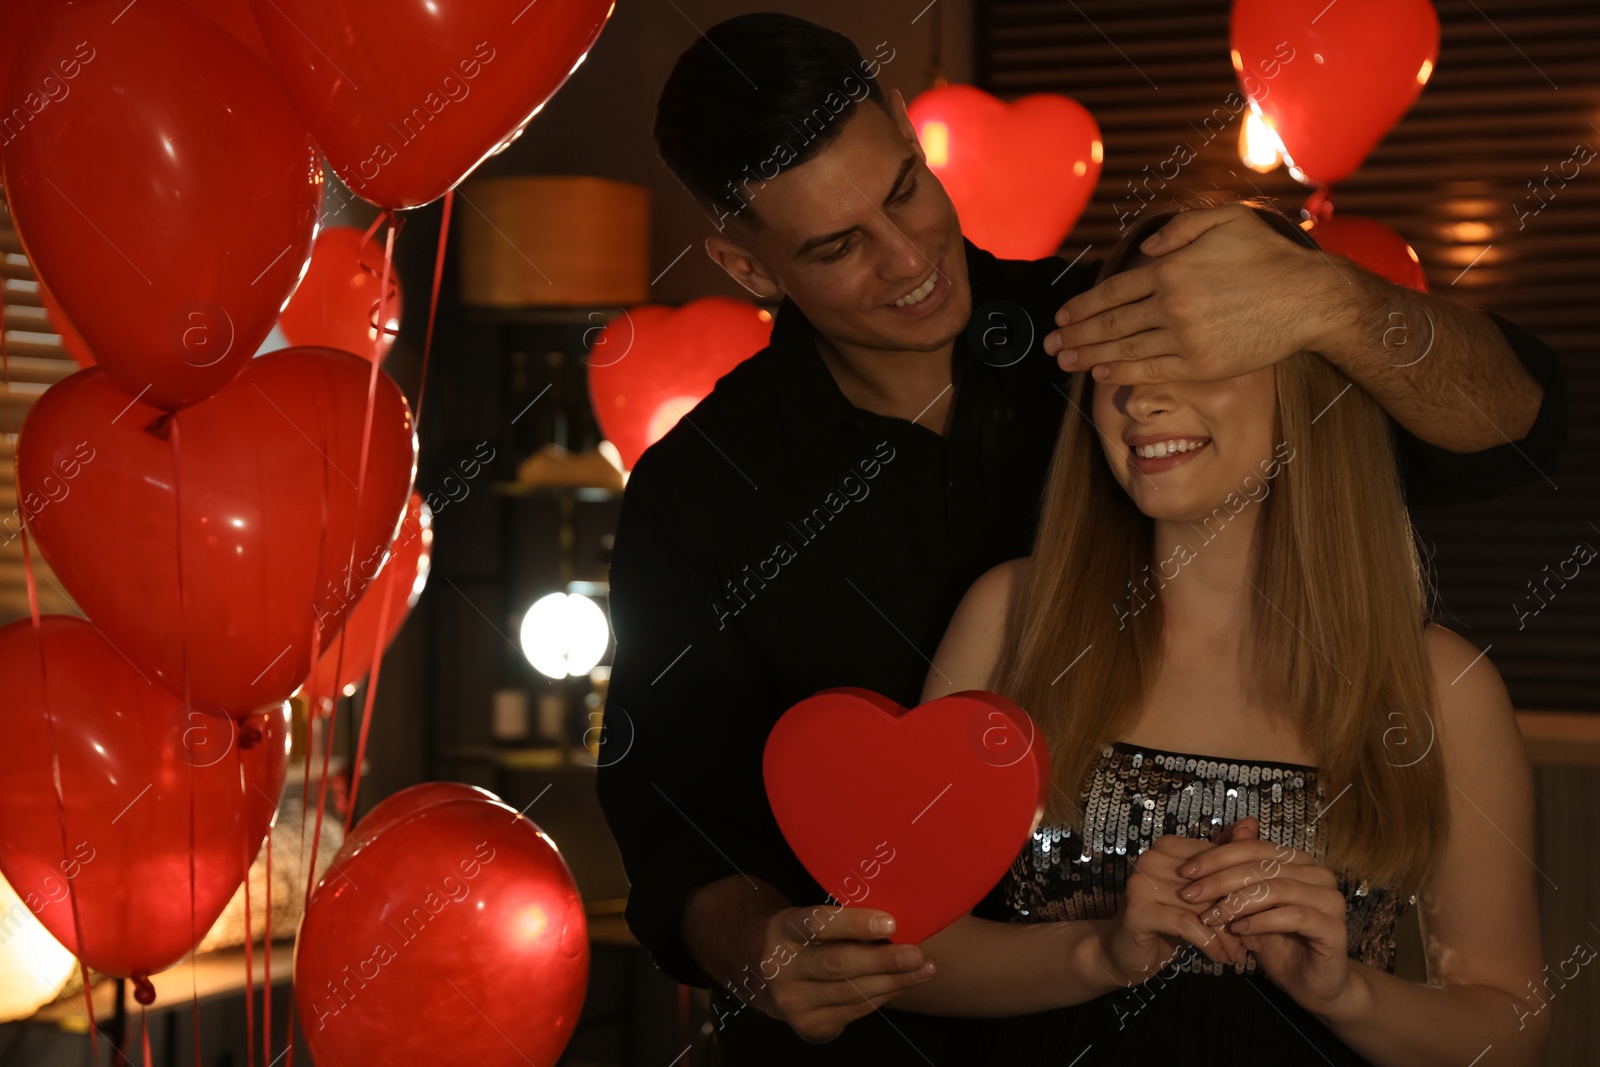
975 637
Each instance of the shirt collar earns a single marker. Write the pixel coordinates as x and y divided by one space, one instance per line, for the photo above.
810 401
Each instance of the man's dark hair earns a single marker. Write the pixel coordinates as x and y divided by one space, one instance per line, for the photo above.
755 95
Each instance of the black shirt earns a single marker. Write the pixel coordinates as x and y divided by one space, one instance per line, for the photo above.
779 540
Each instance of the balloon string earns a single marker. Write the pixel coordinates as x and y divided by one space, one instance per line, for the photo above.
44 682
249 927
433 302
174 438
313 710
144 1037
387 291
266 964
383 615
361 470
372 690
55 775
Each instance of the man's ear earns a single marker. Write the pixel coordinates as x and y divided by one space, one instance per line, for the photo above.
743 267
902 122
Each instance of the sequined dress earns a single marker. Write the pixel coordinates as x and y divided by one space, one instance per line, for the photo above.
1193 1011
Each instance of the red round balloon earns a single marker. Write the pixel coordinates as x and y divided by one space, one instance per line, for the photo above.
1374 246
1019 174
399 806
336 305
1333 79
270 537
174 261
652 364
400 575
139 775
455 937
406 97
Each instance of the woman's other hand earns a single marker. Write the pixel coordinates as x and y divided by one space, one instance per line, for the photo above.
1153 921
1287 910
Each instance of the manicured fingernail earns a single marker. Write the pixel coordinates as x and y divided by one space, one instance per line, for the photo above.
882 924
1242 926
906 959
1191 893
1069 357
926 972
1188 871
1052 343
1102 372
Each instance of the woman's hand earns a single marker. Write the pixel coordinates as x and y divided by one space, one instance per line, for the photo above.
1286 908
1153 921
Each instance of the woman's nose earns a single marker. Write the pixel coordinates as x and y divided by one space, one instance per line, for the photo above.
1146 400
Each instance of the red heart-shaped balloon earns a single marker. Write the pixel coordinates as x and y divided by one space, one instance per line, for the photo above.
406 97
337 303
174 263
652 364
454 936
1019 174
266 474
147 789
347 658
1373 245
1332 79
916 812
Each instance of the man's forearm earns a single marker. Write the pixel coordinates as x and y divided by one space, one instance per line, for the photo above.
987 968
723 923
1399 1023
1443 371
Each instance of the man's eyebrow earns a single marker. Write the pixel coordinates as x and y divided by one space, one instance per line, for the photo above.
826 239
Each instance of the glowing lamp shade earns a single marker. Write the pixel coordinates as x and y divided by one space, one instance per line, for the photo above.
1332 79
1019 174
564 634
33 965
652 364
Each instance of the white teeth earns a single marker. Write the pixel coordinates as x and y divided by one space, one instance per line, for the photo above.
1169 448
919 294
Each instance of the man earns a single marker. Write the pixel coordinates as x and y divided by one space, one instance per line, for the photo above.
814 521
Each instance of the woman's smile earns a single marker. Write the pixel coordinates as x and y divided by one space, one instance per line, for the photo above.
1154 453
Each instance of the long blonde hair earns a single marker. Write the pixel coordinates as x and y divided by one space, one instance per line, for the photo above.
1338 623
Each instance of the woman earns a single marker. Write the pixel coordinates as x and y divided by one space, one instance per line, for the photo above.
1262 752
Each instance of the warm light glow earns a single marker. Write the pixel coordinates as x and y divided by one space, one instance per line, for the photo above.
936 143
1425 72
1097 151
1238 60
564 634
1259 146
531 922
1080 168
33 965
1471 232
667 415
